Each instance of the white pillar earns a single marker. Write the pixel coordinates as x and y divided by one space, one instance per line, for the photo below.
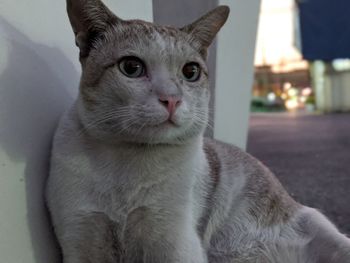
39 75
234 71
131 9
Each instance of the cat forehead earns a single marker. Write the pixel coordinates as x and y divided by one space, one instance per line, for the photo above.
141 35
147 28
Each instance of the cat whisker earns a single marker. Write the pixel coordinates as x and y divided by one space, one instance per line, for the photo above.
112 115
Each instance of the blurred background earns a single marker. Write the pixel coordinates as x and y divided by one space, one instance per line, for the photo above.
302 57
300 121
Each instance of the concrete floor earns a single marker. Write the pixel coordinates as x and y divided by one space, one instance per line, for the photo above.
310 155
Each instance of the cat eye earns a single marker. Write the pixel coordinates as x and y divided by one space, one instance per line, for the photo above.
191 71
132 67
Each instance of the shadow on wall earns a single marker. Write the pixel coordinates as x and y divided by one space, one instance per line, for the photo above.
32 97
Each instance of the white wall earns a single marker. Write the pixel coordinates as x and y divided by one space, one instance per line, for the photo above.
39 74
234 71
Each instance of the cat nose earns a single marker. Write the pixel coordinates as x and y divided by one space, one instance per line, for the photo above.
171 103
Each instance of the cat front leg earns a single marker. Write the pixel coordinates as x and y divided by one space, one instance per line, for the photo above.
158 238
164 250
89 238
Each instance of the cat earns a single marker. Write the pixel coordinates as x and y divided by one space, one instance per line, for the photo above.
132 179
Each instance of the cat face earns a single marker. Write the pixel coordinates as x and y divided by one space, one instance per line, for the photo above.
142 82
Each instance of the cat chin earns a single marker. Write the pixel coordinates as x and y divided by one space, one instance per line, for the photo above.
169 138
146 141
167 135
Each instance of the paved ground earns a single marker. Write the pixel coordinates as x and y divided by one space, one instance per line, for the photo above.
310 154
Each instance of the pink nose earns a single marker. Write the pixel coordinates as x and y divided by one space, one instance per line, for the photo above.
171 103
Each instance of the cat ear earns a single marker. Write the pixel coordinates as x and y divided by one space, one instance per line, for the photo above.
89 19
205 28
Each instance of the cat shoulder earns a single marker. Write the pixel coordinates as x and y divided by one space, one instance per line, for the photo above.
231 156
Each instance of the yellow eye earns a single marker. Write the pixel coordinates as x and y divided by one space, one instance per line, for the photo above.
191 71
132 67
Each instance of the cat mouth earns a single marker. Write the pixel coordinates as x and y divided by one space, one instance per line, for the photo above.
168 123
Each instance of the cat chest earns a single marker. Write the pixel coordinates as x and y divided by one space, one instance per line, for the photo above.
119 193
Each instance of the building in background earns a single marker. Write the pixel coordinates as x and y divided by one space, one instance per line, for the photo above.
325 43
282 77
282 90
